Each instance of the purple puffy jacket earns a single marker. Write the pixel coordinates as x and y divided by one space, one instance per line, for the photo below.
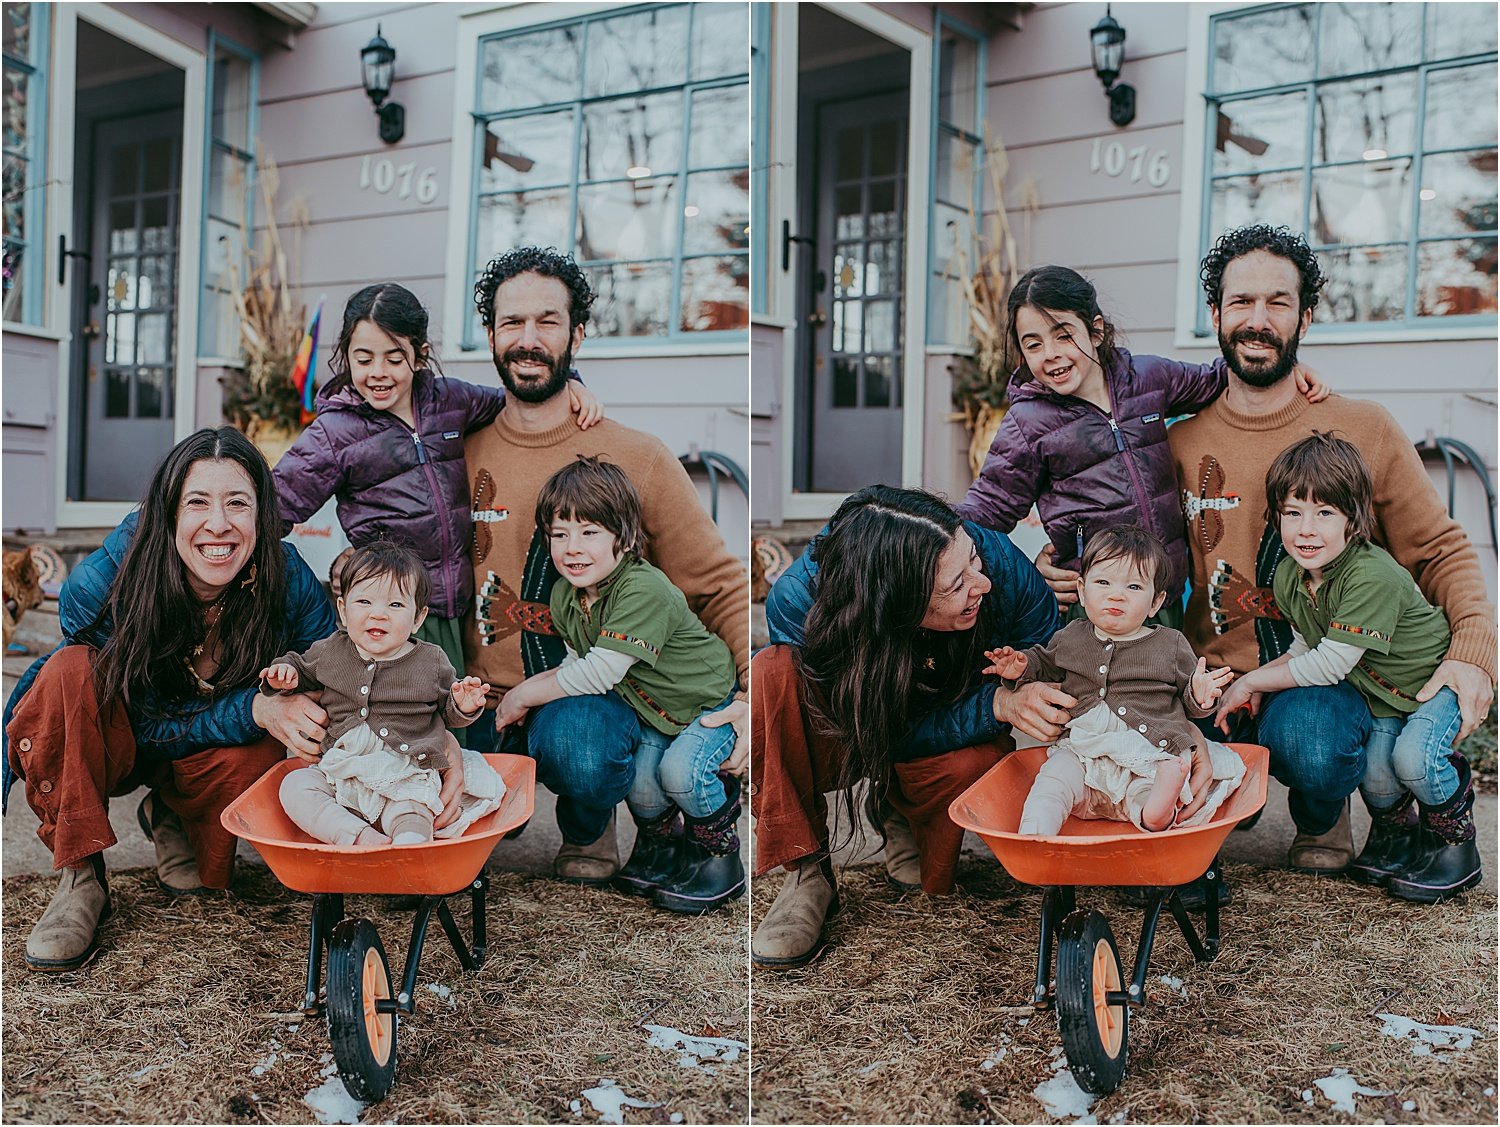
1085 470
389 479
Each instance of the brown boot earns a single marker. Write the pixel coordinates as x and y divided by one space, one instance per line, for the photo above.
67 935
176 864
791 934
1326 853
903 863
593 864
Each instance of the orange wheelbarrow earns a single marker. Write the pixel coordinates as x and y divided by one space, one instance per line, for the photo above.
1093 1001
362 1013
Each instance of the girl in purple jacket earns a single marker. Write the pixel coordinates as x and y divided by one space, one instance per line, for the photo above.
1085 437
388 443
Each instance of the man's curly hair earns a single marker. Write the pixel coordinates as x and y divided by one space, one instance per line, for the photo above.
548 262
1280 241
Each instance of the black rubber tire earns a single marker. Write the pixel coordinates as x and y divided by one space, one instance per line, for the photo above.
364 1043
1094 1035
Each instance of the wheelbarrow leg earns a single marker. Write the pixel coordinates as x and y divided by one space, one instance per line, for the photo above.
1057 903
1206 948
327 911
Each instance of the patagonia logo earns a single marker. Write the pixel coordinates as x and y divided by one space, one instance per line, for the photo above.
1156 418
450 434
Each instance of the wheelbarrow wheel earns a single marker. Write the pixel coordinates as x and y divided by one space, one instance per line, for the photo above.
364 1039
1094 1031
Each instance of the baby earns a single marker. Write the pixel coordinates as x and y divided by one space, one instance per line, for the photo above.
1125 754
386 754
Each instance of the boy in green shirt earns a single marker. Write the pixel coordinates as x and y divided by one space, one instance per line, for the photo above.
1357 614
632 638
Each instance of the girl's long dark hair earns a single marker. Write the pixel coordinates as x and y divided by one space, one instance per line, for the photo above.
394 309
863 645
157 619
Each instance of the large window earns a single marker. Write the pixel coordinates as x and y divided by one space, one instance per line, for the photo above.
623 137
229 212
25 112
957 182
1371 128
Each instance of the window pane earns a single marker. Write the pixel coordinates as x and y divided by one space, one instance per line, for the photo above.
1261 133
633 299
848 322
156 224
1361 37
956 159
627 220
716 211
1263 49
1460 108
226 186
116 394
156 282
1368 284
153 339
523 219
958 81
883 217
882 267
845 383
522 151
15 197
952 246
848 213
1375 116
123 171
161 165
880 326
715 294
885 148
149 397
1458 194
721 38
530 70
1454 30
1361 203
639 134
721 133
877 381
17 22
121 228
849 153
1274 198
1456 279
17 92
232 100
639 51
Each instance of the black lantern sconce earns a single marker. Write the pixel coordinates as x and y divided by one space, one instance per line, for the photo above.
1108 42
378 61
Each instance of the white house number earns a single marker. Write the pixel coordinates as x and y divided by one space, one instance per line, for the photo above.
1113 159
383 175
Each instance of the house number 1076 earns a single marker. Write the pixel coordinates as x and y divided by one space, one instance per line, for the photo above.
1113 158
382 175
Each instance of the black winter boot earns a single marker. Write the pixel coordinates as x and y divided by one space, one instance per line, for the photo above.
1449 861
1394 839
711 872
657 854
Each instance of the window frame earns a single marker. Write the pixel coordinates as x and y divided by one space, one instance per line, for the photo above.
34 303
1193 325
211 146
943 22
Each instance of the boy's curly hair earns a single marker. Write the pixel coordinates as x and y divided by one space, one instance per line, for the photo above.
546 261
1280 241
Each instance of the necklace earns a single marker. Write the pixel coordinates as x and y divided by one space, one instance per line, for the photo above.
211 616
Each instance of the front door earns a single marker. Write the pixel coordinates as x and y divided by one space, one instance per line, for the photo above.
856 414
130 308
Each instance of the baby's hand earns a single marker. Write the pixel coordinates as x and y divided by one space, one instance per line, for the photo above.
1005 663
281 676
585 404
1207 684
469 694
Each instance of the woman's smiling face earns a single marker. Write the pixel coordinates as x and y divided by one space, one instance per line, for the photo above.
959 588
215 525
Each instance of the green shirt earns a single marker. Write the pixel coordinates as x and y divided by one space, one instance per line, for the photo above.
1369 600
682 670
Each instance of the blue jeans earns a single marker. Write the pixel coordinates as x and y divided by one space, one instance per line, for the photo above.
1410 753
1317 738
681 770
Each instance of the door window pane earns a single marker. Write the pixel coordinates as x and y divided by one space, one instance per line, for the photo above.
150 393
845 382
116 394
877 381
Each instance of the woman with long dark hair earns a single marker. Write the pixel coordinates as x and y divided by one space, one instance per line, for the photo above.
878 636
165 630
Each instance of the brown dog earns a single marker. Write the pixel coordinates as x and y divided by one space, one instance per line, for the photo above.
23 588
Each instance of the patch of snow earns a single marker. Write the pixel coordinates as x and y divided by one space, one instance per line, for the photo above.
138 1073
1173 983
1489 1092
1409 1105
1307 1096
1119 1116
332 1103
997 1055
1427 1038
1339 1089
693 1052
263 1065
1024 1021
1061 1096
575 1106
871 1067
610 1101
675 1117
443 992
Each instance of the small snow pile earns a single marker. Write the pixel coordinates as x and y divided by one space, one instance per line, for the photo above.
610 1101
332 1103
263 1065
871 1067
1427 1039
694 1052
1060 1094
443 992
998 1054
1339 1089
1174 984
1409 1105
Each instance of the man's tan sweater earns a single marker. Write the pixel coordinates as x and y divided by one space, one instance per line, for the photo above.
1221 458
513 576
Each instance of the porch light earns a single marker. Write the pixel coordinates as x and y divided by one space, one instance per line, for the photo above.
1107 40
378 60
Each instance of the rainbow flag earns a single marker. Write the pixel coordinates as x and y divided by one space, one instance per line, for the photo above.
303 367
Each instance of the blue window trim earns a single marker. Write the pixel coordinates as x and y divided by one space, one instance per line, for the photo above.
943 22
1422 68
216 43
471 336
760 156
34 246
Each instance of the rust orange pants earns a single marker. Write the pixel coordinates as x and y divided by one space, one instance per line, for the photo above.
792 766
73 760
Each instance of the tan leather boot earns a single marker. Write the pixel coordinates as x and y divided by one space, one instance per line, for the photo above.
1326 853
66 936
176 864
591 864
903 863
791 934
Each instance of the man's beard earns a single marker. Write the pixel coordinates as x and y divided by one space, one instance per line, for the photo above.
536 389
1259 372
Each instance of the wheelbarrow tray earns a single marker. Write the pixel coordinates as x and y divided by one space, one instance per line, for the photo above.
1095 851
435 868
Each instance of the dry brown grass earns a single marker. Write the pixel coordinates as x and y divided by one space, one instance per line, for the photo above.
893 1023
168 1023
